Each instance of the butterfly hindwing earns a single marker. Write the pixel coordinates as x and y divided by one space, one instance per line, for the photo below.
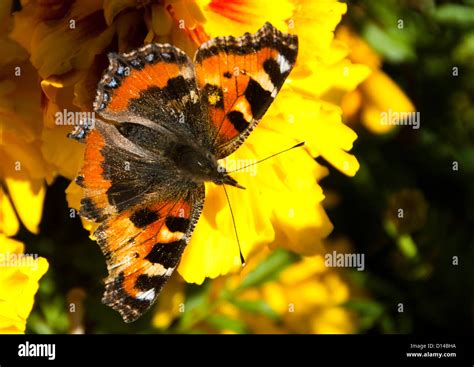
239 78
143 246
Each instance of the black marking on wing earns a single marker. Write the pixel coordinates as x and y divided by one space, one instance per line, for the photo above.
237 119
90 211
166 254
146 282
258 98
144 217
177 224
272 68
267 36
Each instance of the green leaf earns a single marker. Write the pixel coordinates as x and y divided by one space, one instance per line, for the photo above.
387 325
55 315
196 306
256 307
407 246
393 45
464 51
466 159
268 269
37 325
455 14
369 312
365 306
221 322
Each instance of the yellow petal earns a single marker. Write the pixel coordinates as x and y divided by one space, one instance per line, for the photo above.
329 137
384 93
9 224
314 23
225 18
9 245
195 11
334 320
27 197
5 9
22 156
360 51
113 7
274 294
301 224
13 52
66 155
337 288
20 101
59 98
372 121
382 96
18 284
351 103
341 76
161 20
26 192
71 43
303 270
183 15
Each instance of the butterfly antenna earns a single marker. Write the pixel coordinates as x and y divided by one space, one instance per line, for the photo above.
242 260
271 156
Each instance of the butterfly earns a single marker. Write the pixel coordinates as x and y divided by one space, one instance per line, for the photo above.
170 120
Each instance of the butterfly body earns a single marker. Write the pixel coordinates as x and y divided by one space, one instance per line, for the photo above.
143 175
197 164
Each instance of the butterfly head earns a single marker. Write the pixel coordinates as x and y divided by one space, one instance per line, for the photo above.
225 179
200 165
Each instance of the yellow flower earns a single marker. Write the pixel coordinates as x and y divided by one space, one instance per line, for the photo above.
309 297
378 94
62 49
25 191
306 297
282 207
23 170
18 284
234 17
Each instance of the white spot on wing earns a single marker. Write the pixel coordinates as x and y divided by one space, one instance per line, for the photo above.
148 295
194 96
155 269
283 63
